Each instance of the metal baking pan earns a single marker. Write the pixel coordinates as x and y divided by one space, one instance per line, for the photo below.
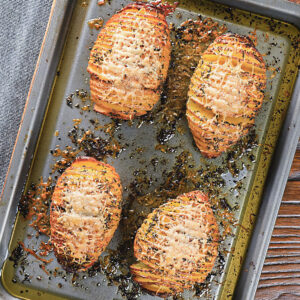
47 120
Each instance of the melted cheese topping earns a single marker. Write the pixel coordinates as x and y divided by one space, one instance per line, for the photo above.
225 93
182 244
130 59
85 211
179 240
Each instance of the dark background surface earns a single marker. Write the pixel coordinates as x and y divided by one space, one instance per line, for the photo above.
22 28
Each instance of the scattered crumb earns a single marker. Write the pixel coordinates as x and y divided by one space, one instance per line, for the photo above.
96 23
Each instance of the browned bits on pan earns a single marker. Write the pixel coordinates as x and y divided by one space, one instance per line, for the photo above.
67 157
77 121
129 61
45 248
225 93
253 37
85 212
177 245
101 2
43 267
33 253
96 146
96 23
34 206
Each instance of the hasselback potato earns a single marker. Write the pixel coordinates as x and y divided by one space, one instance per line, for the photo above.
177 245
84 212
225 93
129 61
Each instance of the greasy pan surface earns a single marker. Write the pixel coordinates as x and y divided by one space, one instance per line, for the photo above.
234 181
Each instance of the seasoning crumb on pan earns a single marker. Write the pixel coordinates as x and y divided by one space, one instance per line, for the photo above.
101 2
34 206
96 23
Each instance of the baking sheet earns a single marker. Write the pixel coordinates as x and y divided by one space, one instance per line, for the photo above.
59 121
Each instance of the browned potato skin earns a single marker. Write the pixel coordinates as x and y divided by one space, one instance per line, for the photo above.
225 93
168 259
85 212
129 61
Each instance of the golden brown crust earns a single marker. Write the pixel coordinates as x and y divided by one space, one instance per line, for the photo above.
129 61
225 93
177 245
84 212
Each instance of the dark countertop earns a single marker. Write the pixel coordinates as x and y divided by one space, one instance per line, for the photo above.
280 278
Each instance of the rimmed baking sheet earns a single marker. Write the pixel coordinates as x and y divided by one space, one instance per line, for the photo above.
235 181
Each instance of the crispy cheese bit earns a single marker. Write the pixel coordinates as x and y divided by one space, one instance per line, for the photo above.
129 61
177 245
225 93
85 212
